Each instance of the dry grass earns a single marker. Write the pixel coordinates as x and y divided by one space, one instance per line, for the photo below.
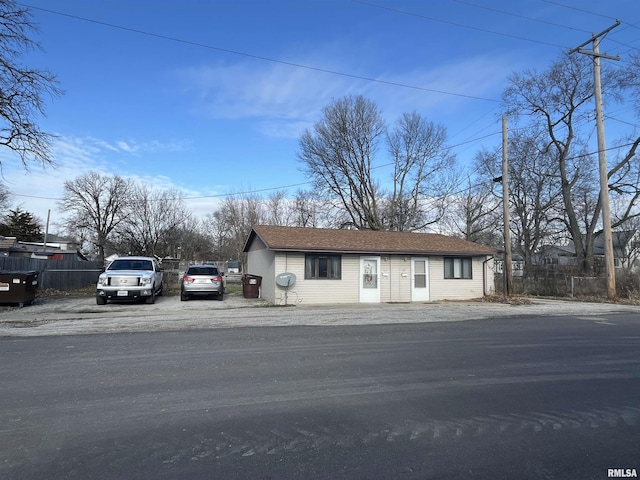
78 292
509 300
525 300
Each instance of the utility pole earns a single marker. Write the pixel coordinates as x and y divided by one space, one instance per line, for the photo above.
602 157
507 269
46 232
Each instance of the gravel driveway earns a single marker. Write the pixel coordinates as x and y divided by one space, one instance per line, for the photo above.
81 315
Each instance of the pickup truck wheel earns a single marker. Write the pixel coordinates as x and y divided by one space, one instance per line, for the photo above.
151 299
101 300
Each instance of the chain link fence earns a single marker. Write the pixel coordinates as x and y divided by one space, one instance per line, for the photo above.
556 282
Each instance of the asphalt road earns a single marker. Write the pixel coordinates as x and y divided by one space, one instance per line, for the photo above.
527 398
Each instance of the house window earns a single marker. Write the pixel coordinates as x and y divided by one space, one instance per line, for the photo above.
323 266
457 267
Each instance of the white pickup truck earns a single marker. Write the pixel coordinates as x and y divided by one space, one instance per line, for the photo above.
130 278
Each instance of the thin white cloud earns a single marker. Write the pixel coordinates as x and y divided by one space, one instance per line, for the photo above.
38 189
134 147
126 147
88 147
286 99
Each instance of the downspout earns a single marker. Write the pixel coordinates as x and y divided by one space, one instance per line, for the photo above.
286 269
484 275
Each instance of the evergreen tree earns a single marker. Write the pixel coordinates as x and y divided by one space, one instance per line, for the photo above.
22 225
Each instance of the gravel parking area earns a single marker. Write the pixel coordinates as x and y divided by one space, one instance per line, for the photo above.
81 315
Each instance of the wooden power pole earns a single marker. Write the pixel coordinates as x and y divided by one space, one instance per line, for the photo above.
602 157
507 268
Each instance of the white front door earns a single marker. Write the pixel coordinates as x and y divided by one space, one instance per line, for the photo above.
370 279
419 279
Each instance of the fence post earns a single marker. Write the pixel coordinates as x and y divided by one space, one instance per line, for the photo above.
572 277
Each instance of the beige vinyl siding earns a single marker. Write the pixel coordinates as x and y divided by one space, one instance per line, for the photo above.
318 291
455 289
262 262
395 279
385 279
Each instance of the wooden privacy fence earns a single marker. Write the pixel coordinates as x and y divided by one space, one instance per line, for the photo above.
65 274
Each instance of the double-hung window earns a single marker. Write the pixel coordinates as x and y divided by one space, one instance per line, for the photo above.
457 267
318 266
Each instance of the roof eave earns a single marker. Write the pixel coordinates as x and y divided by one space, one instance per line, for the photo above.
288 249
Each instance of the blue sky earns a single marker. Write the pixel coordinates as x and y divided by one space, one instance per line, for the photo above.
210 97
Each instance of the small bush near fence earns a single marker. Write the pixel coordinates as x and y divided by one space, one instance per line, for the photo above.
628 285
65 274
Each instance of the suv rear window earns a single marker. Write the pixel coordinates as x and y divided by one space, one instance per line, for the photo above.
202 271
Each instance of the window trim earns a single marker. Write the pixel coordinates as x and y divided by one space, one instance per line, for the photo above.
331 260
450 268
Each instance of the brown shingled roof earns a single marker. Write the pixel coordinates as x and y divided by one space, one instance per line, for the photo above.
301 239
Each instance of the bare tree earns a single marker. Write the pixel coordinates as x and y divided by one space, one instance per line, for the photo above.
4 198
219 238
190 241
309 209
536 202
278 209
152 228
305 209
559 100
624 185
22 89
475 211
338 156
235 217
96 205
422 163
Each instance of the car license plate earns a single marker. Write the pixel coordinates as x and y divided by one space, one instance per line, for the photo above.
123 293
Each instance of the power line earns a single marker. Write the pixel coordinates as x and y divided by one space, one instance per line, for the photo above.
532 19
248 192
218 195
579 9
259 57
446 148
609 117
521 16
476 121
493 32
297 65
484 30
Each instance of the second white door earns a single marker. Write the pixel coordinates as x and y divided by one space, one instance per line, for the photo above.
419 279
